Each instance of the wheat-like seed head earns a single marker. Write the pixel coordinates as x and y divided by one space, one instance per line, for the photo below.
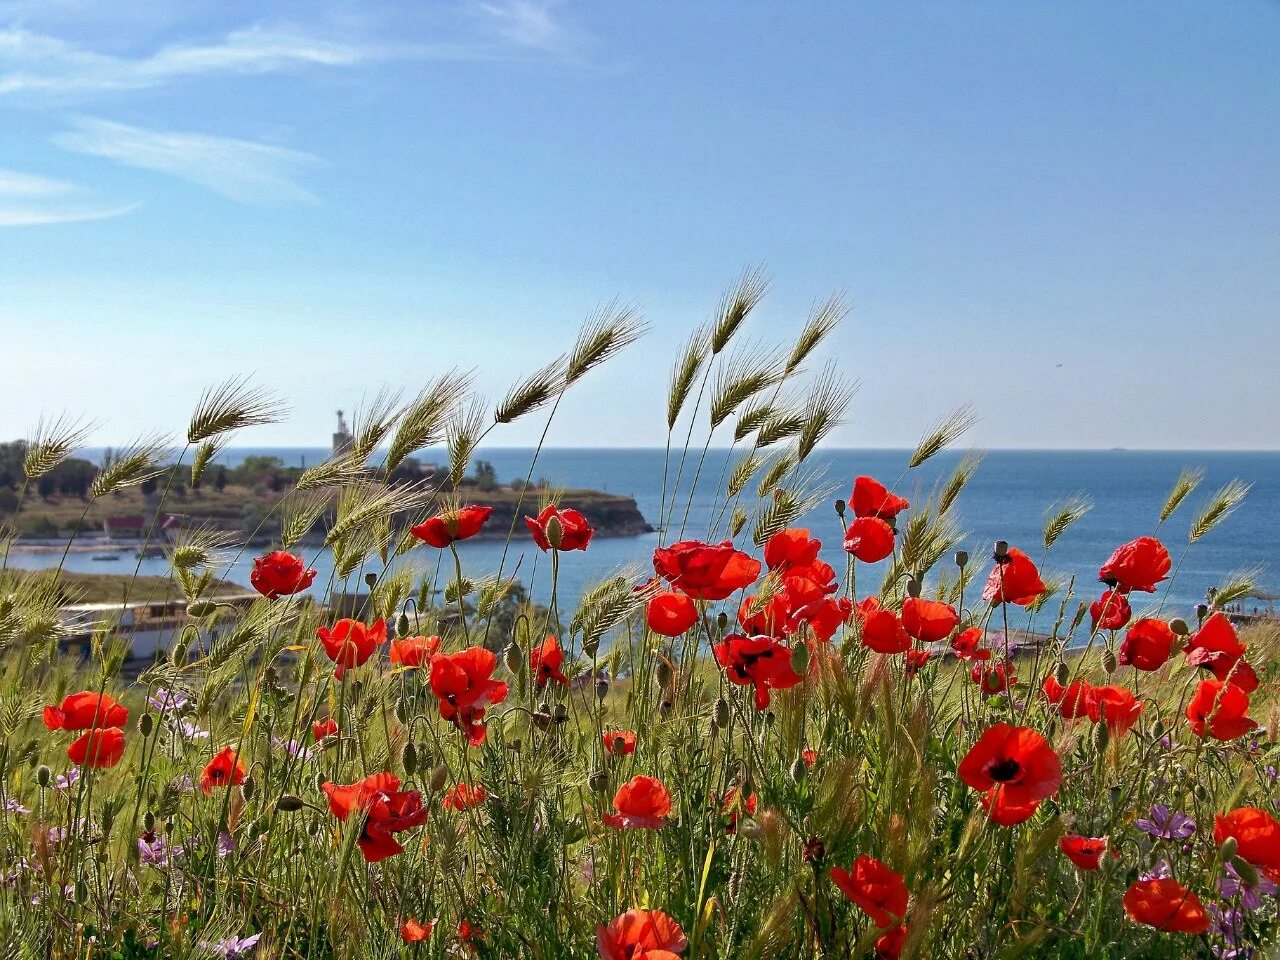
423 421
136 464
52 442
943 435
199 547
233 405
692 356
826 406
373 422
360 505
781 425
742 473
611 328
336 471
749 290
1062 515
462 434
532 393
1239 585
745 374
205 452
823 319
1183 487
754 414
958 480
781 465
1221 506
299 514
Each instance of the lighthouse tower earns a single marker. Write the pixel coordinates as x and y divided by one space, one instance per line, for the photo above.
342 439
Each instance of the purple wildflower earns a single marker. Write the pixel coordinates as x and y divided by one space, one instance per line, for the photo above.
232 947
1165 824
168 701
1233 885
154 851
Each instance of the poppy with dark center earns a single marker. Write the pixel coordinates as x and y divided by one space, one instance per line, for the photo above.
642 803
385 808
545 661
671 613
1217 647
795 604
446 528
1256 833
705 571
413 651
1014 579
1219 710
928 621
993 678
1072 700
1111 611
880 892
1085 852
869 539
1017 759
1118 707
1167 905
349 643
99 747
1137 565
226 769
575 531
870 498
1147 645
84 711
463 684
280 574
620 743
641 935
762 662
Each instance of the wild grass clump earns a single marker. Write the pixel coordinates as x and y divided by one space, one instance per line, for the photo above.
730 750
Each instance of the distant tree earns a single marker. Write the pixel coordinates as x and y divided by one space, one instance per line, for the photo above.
486 475
149 486
8 500
47 486
220 478
74 477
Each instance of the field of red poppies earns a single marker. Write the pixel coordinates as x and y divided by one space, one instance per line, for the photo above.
732 750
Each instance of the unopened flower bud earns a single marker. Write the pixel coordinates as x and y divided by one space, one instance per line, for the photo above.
402 710
1061 673
149 822
560 714
555 532
146 723
1179 626
913 587
402 625
1202 610
599 781
799 770
249 788
665 708
201 608
371 579
409 759
841 506
1109 661
1248 872
44 776
663 672
289 803
438 777
1101 736
962 558
1001 552
1228 848
721 712
722 621
602 689
800 658
514 657
750 829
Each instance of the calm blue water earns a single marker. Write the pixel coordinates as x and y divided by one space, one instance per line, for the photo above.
1007 500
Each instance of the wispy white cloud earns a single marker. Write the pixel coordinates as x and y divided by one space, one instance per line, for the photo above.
28 199
532 25
243 170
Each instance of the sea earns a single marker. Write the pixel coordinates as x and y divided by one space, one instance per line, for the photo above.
1009 499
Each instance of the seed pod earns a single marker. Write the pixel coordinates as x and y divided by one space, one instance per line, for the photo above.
750 829
409 759
841 506
800 658
288 803
438 777
913 586
149 822
1061 673
146 723
178 655
962 558
513 656
1227 848
201 608
1101 736
602 689
402 710
722 621
371 579
560 714
1157 728
721 712
1201 792
1115 792
555 532
402 625
44 776
249 788
769 717
663 672
798 770
599 781
1202 610
1109 661
1179 626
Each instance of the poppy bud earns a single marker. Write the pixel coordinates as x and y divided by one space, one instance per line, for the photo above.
798 770
107 820
555 532
1227 849
721 713
599 781
815 851
402 710
591 646
1109 661
665 708
602 689
149 822
1061 673
438 777
146 723
913 586
1157 728
402 625
542 717
248 788
800 658
1001 552
371 579
409 759
1202 610
560 714
663 672
722 621
1179 626
201 608
841 506
1248 873
750 829
769 717
514 657
1200 791
962 558
44 776
288 803
178 655
1115 793
1101 736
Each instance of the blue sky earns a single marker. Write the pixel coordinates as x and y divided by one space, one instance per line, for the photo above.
1066 214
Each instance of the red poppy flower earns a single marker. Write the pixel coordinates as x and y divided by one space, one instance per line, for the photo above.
993 678
730 806
1085 852
226 769
869 539
464 796
324 728
387 810
671 613
413 651
1004 812
413 931
545 662
1072 700
889 945
967 645
1216 646
642 803
879 891
810 757
576 532
447 528
463 683
1111 611
620 743
98 747
1147 644
870 498
1219 710
1256 832
762 662
797 603
883 632
641 935
349 643
928 620
705 571
280 574
1014 579
1118 706
790 549
1166 905
1016 759
1137 565
84 711
916 660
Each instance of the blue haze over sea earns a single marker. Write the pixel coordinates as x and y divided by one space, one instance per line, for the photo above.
1007 499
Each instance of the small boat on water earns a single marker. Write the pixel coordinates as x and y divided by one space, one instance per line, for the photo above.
105 557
